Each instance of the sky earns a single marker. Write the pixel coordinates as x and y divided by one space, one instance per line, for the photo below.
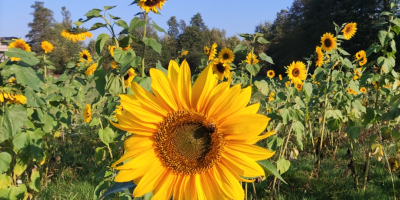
232 15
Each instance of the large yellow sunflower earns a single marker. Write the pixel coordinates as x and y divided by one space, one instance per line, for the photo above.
297 72
129 77
152 5
251 59
21 44
47 47
271 74
190 142
320 56
85 56
349 30
76 34
328 42
222 69
87 113
226 55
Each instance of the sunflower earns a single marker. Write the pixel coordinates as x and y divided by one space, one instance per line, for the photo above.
76 34
271 96
114 64
222 69
349 30
287 83
206 50
111 50
251 59
375 83
226 55
297 72
152 5
129 77
351 91
47 46
280 77
183 53
299 86
20 44
17 98
271 73
268 110
363 90
364 61
213 51
85 56
190 142
12 80
90 70
328 42
320 57
87 113
357 74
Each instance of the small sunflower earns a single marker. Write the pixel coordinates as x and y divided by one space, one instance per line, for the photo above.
114 64
328 42
268 110
20 44
280 77
320 56
213 51
47 47
297 72
364 61
111 50
226 55
190 142
76 34
90 70
129 77
251 59
375 83
222 69
87 113
85 56
357 73
271 73
287 84
152 5
12 80
299 86
349 30
183 53
363 90
351 91
271 96
206 50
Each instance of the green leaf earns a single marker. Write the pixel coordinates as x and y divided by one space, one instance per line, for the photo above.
136 23
153 44
285 115
32 99
114 17
347 63
26 76
239 47
113 85
387 63
158 28
5 160
336 114
269 168
99 154
353 132
97 26
93 13
262 40
262 86
358 106
283 165
274 142
5 181
375 47
30 142
308 89
298 127
264 57
35 181
122 24
396 29
369 116
144 82
13 192
299 102
100 41
100 80
253 69
161 68
21 164
396 21
108 7
343 52
26 57
106 135
12 121
103 185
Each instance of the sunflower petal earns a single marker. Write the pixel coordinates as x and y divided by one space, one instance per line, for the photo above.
252 151
250 167
244 126
185 85
228 183
164 189
202 88
150 180
163 89
148 99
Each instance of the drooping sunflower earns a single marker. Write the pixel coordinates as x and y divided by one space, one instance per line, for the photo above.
21 44
351 91
183 53
85 56
152 5
190 142
270 73
87 113
17 99
320 56
363 90
47 47
349 30
226 55
129 77
297 72
299 86
222 69
213 51
328 42
251 59
76 34
280 77
90 70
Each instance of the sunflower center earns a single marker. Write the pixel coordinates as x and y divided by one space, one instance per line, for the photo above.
151 3
295 72
85 57
348 30
220 67
126 77
327 42
225 56
189 142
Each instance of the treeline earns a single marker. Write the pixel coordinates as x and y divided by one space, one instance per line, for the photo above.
293 34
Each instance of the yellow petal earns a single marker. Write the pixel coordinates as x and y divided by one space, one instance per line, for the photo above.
148 99
249 166
212 190
191 189
202 88
163 89
139 131
216 93
256 139
252 151
132 105
199 187
244 126
185 85
173 72
252 109
224 102
164 188
136 142
179 188
228 183
150 179
140 158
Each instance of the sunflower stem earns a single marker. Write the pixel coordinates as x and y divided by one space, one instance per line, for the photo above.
323 123
144 45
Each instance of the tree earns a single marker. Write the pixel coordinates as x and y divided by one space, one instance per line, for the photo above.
173 27
42 21
197 21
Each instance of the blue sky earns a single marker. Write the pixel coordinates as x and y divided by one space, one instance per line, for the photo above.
234 16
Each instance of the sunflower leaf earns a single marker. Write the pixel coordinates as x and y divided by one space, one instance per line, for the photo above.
266 58
108 7
153 44
239 47
283 165
136 23
97 26
25 56
93 13
158 28
5 160
269 168
119 187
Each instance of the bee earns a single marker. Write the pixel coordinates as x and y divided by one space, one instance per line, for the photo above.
211 127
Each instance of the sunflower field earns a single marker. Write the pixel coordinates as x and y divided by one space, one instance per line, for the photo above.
108 128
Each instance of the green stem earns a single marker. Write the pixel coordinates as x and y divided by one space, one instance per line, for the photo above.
354 165
144 46
323 123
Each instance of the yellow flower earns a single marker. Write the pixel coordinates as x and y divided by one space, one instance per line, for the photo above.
287 83
349 30
114 64
206 50
363 90
268 110
12 98
188 141
21 44
152 5
226 55
111 50
87 113
299 86
375 83
85 56
129 77
213 51
90 70
251 59
271 96
364 61
357 73
362 56
222 69
297 72
328 42
76 34
351 91
183 53
320 57
47 46
280 77
271 73
11 80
